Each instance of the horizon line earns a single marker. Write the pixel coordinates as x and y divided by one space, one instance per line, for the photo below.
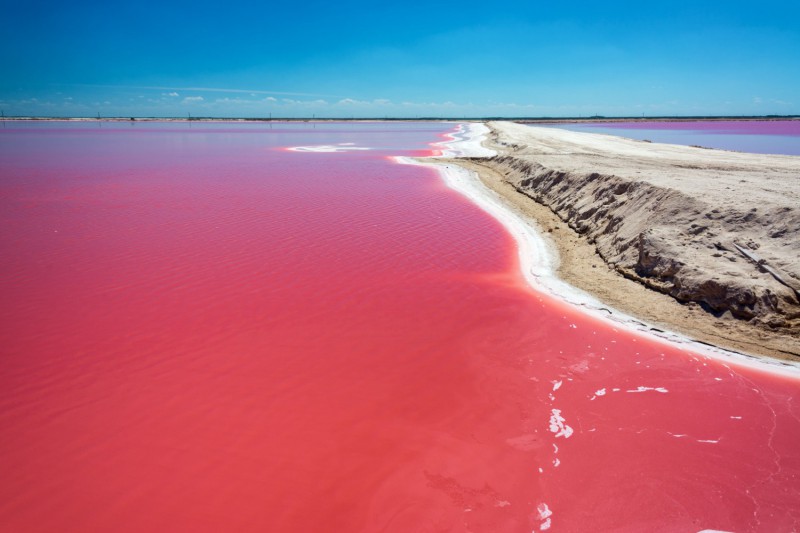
314 118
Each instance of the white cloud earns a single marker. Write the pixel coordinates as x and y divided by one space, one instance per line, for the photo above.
270 99
211 89
757 100
173 94
353 102
192 99
299 103
234 101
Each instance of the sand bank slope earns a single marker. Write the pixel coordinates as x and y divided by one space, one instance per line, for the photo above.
716 228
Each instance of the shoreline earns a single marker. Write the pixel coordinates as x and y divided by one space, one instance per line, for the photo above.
541 255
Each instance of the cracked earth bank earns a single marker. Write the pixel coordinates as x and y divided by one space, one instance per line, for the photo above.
718 231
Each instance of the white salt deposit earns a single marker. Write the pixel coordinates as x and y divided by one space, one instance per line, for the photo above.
328 148
558 424
544 515
645 389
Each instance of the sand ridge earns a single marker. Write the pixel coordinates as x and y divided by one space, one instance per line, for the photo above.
569 175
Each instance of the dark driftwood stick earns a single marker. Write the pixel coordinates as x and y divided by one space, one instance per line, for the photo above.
763 264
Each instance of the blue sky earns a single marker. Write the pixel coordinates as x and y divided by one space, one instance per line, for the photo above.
362 59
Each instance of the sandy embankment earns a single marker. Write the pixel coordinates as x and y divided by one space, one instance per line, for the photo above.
689 239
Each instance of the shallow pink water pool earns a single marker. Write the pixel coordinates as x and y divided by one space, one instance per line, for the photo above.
755 136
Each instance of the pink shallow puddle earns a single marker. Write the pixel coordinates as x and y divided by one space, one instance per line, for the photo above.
204 331
756 136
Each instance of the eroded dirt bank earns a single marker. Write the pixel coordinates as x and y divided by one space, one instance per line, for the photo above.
717 231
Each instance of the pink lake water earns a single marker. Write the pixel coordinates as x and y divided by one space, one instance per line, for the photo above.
755 136
202 330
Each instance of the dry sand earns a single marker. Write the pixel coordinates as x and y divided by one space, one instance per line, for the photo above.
698 241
